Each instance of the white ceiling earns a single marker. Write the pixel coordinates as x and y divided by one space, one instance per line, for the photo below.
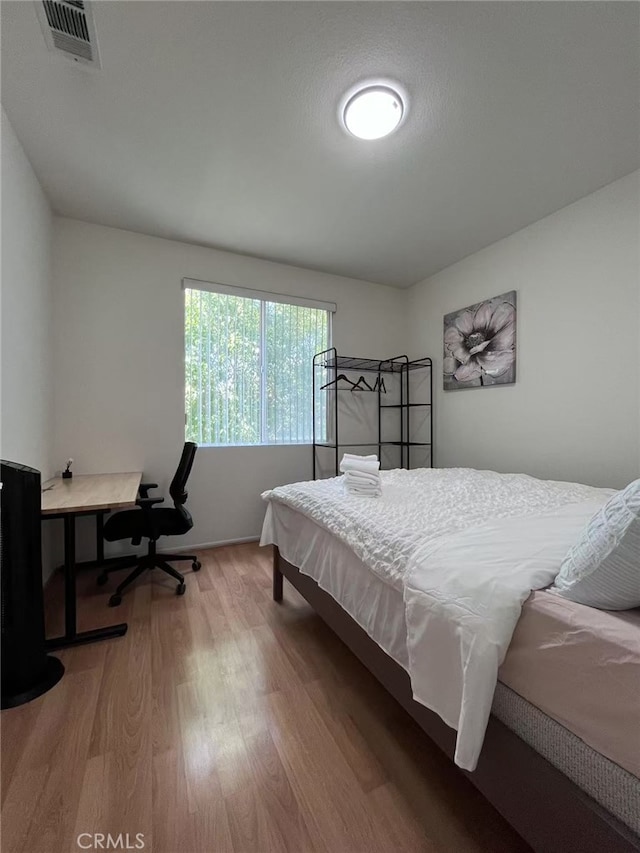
216 123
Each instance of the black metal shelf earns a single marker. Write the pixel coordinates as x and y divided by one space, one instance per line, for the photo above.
401 366
371 365
408 443
347 444
375 444
403 405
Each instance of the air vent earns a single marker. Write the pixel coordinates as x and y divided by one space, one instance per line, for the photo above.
68 28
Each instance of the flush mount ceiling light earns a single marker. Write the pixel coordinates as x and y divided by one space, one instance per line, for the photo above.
373 112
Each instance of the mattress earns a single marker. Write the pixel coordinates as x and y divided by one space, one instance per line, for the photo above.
581 666
591 659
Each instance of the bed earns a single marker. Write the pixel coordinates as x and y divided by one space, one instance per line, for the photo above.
563 772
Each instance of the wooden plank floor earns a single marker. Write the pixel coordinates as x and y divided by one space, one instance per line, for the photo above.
225 722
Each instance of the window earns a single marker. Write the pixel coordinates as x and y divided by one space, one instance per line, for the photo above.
248 365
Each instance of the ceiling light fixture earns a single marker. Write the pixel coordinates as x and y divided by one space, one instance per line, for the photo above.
373 112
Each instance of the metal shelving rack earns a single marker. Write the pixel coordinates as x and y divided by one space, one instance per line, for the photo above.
400 367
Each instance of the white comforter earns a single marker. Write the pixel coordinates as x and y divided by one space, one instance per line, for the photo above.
467 547
463 596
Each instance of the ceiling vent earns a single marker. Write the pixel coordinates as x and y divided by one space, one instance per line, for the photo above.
68 28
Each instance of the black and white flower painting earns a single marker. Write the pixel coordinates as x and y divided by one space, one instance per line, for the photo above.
480 344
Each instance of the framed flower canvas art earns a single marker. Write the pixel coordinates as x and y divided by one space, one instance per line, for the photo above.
480 344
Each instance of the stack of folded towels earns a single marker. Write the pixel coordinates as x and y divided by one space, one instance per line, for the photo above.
361 475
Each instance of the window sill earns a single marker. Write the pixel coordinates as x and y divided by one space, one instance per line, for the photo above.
257 444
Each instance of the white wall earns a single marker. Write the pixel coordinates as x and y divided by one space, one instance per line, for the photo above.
574 412
26 419
26 428
119 351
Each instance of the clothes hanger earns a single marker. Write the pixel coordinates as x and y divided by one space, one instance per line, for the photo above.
355 386
335 381
358 385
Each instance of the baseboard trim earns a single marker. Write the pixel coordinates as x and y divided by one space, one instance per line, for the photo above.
182 549
219 544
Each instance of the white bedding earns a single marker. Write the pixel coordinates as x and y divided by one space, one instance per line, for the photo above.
463 596
417 507
463 592
377 606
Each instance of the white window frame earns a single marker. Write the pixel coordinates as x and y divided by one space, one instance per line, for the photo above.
263 296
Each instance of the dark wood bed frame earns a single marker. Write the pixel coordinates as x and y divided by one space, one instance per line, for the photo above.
545 807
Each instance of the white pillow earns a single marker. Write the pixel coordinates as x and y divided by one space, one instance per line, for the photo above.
603 568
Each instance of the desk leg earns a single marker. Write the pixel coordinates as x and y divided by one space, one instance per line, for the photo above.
123 561
70 575
84 637
100 538
71 635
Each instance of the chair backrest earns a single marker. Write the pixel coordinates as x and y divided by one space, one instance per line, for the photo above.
177 488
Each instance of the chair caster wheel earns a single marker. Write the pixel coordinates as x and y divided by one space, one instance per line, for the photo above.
196 566
102 579
115 600
180 589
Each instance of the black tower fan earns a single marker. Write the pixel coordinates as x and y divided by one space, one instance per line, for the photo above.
27 671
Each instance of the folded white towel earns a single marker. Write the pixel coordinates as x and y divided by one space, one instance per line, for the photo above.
368 472
362 488
352 490
363 492
361 478
361 475
370 466
356 457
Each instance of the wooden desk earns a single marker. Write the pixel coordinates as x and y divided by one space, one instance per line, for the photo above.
84 494
89 493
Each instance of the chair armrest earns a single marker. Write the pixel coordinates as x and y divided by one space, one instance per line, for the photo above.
143 488
146 505
148 502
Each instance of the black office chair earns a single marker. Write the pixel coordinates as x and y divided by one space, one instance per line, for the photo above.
149 523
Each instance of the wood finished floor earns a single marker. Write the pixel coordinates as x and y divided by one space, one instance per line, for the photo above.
225 722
